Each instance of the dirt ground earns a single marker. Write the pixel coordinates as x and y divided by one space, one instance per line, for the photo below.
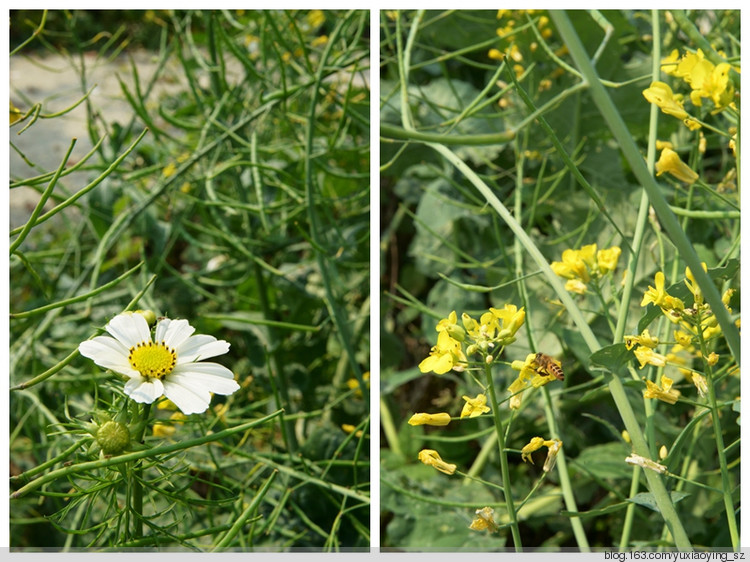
57 83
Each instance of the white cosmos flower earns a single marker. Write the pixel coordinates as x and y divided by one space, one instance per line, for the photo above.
167 365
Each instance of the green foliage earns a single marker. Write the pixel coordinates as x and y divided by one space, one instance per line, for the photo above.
237 198
496 158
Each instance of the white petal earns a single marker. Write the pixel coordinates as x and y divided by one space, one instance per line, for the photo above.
202 347
211 377
144 390
189 399
108 353
129 329
173 332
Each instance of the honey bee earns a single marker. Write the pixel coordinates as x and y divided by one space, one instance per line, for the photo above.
547 365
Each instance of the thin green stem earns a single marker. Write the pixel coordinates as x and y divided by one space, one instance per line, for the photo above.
625 140
718 434
507 487
67 471
332 301
136 476
40 205
79 298
667 219
232 532
393 132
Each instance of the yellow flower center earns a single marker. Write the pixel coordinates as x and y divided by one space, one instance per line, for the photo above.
152 360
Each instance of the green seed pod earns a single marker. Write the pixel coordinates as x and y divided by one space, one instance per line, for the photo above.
113 437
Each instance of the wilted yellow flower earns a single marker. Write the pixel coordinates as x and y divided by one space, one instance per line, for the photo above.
475 406
484 520
537 443
552 450
644 339
693 285
576 286
647 356
432 458
665 392
646 463
670 162
440 419
698 380
661 95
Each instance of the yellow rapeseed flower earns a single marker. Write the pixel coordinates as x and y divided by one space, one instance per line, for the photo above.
446 355
647 356
661 95
432 458
665 392
644 339
537 443
484 520
670 162
607 259
440 419
475 406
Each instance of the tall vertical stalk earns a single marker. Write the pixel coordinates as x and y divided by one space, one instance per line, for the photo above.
507 486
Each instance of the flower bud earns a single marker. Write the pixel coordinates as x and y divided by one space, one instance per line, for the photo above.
149 315
113 437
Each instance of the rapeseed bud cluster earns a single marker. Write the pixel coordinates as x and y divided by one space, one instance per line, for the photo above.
582 266
495 329
706 80
695 326
510 23
487 338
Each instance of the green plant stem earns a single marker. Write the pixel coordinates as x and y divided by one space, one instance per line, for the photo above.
562 466
637 244
627 525
43 199
564 475
73 354
79 298
332 302
625 140
718 436
393 132
137 475
25 476
246 514
507 487
33 221
67 471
